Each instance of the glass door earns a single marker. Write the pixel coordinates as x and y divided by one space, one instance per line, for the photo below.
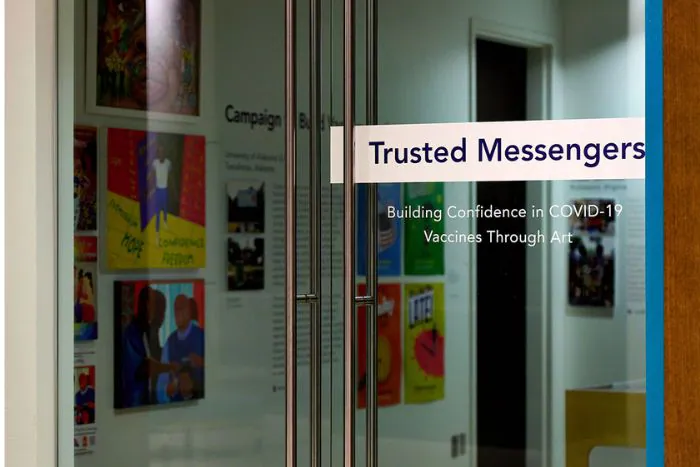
476 343
200 301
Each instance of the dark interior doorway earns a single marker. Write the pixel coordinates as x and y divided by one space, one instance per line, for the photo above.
501 90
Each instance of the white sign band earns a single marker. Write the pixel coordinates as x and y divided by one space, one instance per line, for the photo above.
596 149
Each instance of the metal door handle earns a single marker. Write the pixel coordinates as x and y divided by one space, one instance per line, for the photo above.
349 331
290 304
371 439
314 296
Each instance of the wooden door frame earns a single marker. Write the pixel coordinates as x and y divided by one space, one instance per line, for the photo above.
681 146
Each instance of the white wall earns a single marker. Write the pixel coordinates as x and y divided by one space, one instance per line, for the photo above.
602 77
424 76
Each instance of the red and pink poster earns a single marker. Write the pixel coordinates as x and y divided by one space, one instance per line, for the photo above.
388 346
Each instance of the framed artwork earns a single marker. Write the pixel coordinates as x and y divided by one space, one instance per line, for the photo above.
143 58
591 284
423 258
389 358
85 304
424 343
85 248
156 200
84 179
388 230
85 289
158 342
84 407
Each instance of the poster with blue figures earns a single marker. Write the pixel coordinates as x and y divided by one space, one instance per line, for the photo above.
388 230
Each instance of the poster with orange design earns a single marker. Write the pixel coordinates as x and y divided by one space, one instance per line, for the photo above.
388 346
424 343
156 200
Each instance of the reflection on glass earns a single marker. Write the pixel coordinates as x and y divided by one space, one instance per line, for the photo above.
494 348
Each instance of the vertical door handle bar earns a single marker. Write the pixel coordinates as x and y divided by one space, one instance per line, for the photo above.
315 310
290 260
372 455
349 331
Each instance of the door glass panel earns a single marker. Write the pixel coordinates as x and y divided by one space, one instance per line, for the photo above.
500 352
179 186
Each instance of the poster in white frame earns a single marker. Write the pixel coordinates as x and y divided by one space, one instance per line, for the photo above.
137 67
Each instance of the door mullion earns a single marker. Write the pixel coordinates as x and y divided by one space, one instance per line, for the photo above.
349 315
290 277
315 305
372 435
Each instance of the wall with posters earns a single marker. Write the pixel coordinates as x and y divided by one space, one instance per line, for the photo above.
241 418
609 327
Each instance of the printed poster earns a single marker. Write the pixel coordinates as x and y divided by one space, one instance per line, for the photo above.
424 334
156 200
388 230
246 241
84 407
246 263
388 346
422 257
592 256
161 320
246 206
85 289
84 179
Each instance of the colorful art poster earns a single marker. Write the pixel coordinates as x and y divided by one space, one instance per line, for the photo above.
84 405
424 216
246 206
388 346
424 334
84 179
147 56
85 289
592 256
388 230
156 200
85 248
159 342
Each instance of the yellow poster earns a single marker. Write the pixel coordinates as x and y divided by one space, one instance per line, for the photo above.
156 200
424 334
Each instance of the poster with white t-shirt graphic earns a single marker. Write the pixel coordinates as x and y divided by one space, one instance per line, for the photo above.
156 200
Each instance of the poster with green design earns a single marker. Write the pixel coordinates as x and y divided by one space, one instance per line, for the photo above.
421 256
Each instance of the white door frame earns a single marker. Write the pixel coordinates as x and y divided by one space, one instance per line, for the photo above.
31 303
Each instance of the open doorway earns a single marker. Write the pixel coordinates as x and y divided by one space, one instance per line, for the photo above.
509 85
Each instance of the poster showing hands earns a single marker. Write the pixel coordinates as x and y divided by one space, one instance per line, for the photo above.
160 325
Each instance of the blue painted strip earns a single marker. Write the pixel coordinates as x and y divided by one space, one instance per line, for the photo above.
654 234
